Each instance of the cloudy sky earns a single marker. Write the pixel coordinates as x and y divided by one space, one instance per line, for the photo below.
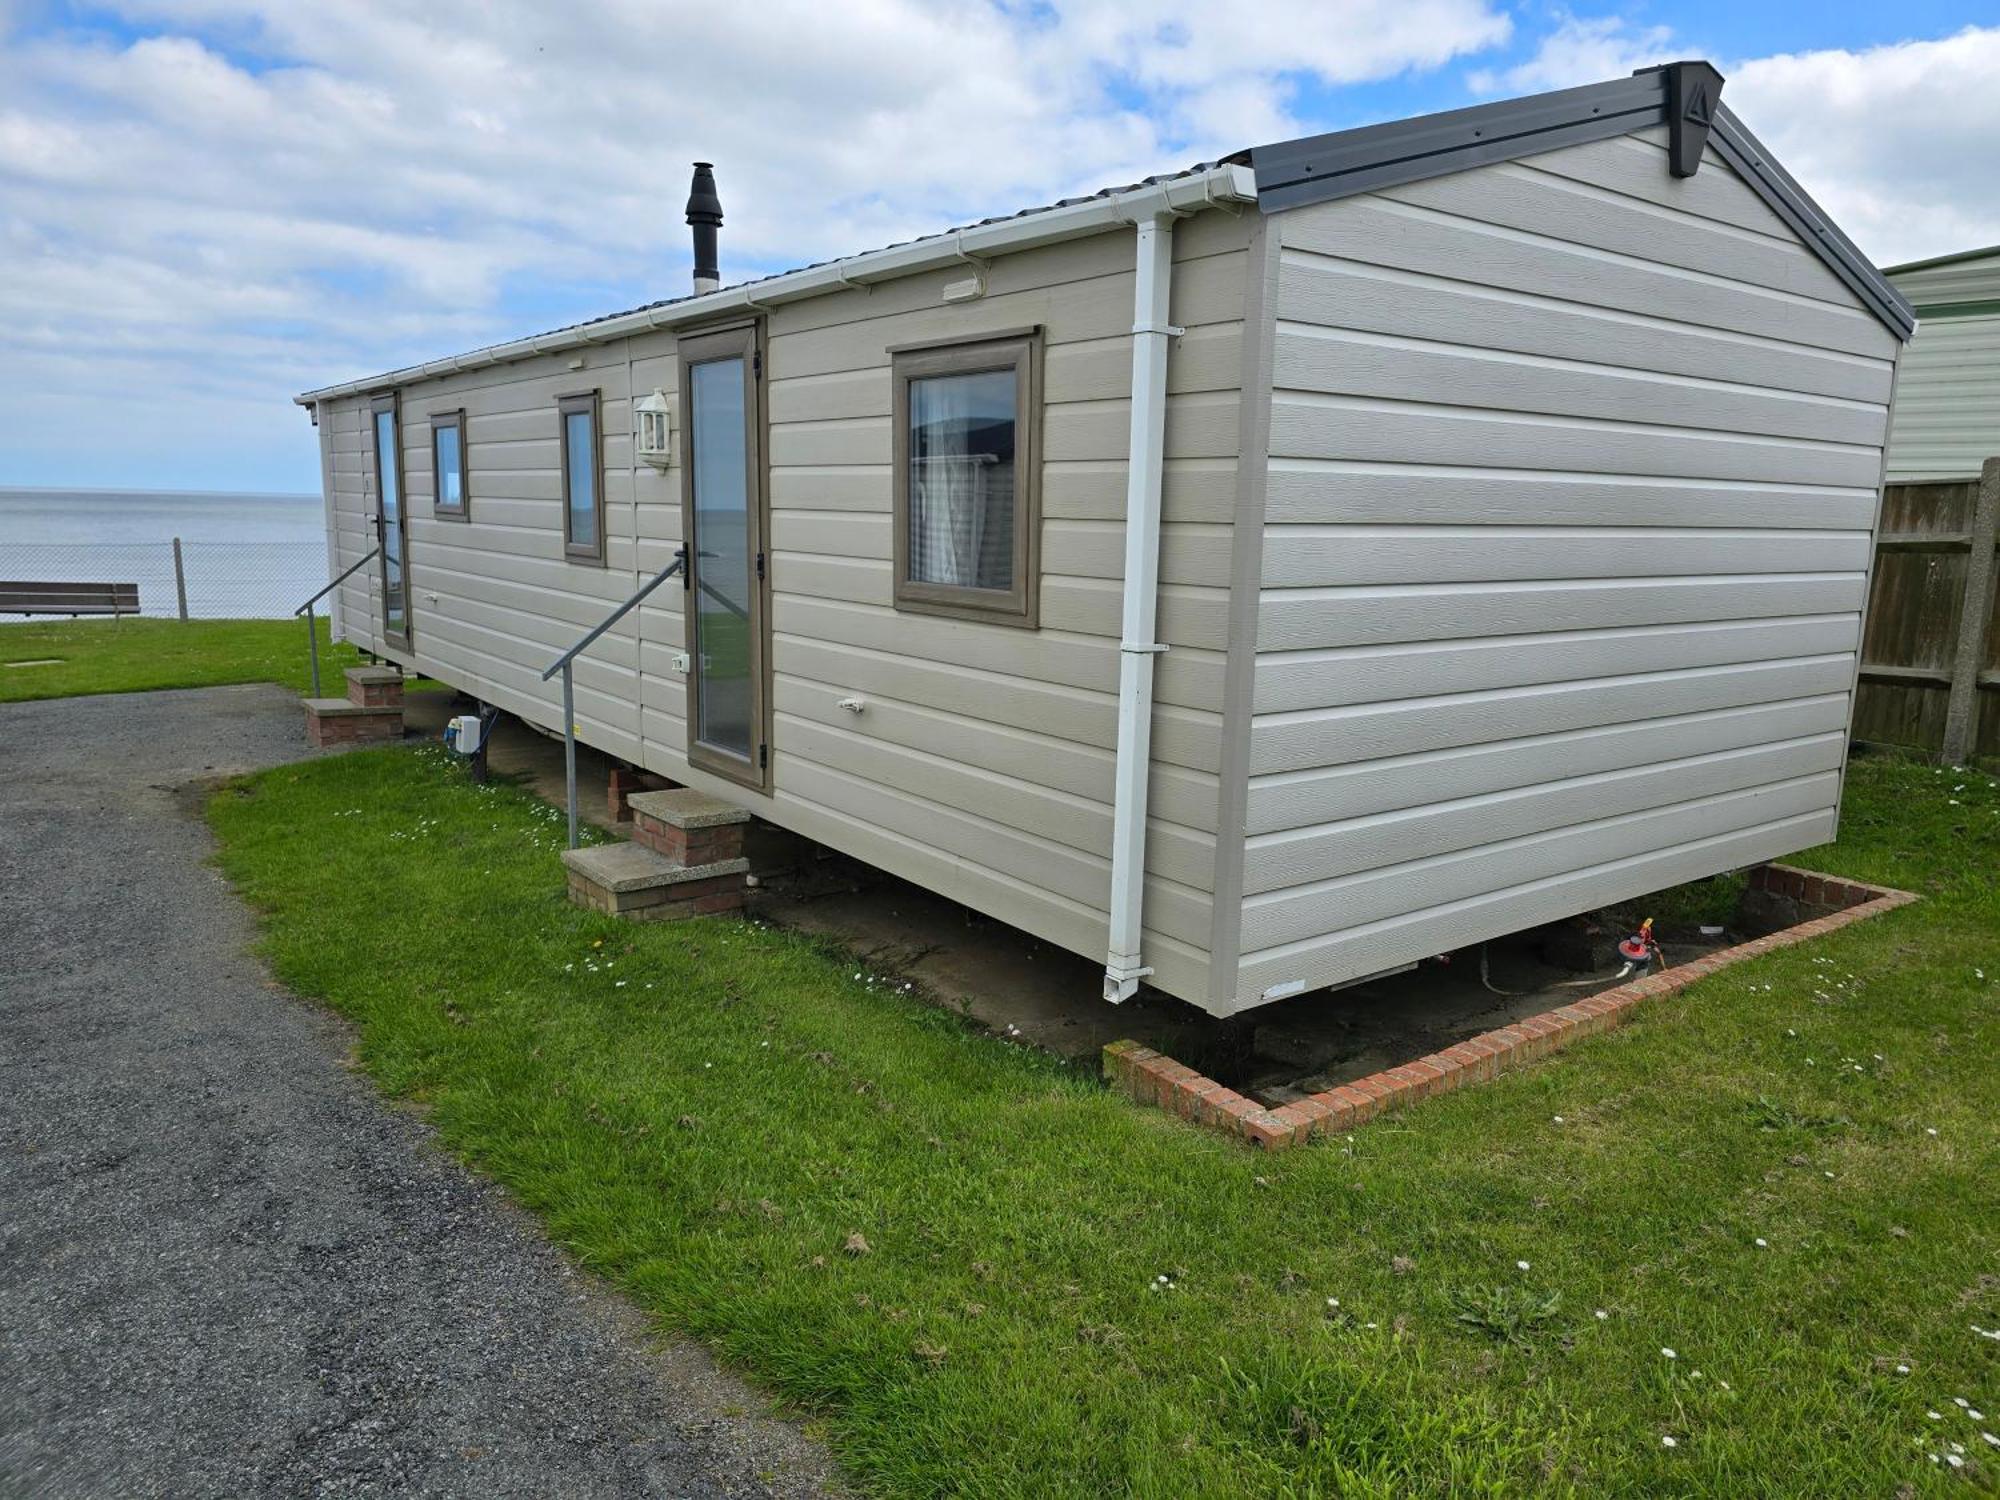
209 205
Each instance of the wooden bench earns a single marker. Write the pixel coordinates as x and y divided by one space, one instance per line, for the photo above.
73 599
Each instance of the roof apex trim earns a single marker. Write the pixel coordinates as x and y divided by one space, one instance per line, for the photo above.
1321 168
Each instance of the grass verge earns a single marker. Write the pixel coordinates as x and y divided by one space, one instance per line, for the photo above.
985 1275
133 656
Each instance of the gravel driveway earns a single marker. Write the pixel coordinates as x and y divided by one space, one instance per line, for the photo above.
227 1267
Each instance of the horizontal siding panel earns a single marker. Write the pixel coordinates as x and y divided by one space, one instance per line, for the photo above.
831 487
1315 289
1349 953
1635 165
1189 616
1207 358
858 440
1183 737
1516 195
1361 427
1179 796
1337 556
1322 737
1328 851
1292 619
1325 793
1310 490
1198 426
1196 555
1193 491
1027 805
1342 362
1304 912
1187 677
1370 674
1376 230
1171 910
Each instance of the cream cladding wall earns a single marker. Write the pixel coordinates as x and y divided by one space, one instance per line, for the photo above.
982 766
1570 498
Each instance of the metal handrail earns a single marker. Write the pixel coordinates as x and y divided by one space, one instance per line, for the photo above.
306 609
565 664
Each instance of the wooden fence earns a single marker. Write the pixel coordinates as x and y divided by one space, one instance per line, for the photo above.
1930 655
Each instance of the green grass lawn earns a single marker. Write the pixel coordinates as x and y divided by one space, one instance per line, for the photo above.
131 656
948 1251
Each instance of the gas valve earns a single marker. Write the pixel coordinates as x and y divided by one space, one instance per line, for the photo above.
1640 951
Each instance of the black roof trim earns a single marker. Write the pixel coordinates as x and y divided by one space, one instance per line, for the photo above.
1735 144
1323 167
1318 169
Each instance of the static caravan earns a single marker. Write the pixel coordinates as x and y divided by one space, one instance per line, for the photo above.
1257 578
1946 420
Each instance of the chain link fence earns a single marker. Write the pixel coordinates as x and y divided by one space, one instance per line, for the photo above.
188 580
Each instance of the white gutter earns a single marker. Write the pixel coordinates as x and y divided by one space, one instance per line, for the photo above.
1197 190
1153 277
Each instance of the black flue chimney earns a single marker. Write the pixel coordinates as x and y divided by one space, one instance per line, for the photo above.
704 211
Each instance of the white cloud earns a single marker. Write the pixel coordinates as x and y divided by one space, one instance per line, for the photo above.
1900 144
1581 49
255 196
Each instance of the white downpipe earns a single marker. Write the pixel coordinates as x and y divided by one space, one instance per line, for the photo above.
1151 334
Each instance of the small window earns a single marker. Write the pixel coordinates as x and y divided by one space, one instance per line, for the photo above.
448 466
966 481
582 483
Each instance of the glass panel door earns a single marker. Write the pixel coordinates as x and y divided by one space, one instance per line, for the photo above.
392 532
725 612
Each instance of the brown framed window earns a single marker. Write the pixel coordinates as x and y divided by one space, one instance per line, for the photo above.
582 477
967 479
450 474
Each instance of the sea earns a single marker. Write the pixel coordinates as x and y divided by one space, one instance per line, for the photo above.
242 555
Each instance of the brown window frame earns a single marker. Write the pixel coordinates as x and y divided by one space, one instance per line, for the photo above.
391 403
1019 351
440 507
567 407
743 341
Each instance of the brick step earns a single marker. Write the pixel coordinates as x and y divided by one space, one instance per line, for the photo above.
337 721
688 827
375 687
630 880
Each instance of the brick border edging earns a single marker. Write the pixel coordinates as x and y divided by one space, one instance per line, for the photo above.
1150 1077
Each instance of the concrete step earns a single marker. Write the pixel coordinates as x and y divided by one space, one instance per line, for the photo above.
375 687
338 721
688 827
630 880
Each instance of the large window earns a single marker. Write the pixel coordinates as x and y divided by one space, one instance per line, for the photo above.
966 480
582 479
448 466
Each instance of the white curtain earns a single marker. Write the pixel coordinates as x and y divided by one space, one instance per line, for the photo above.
948 499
